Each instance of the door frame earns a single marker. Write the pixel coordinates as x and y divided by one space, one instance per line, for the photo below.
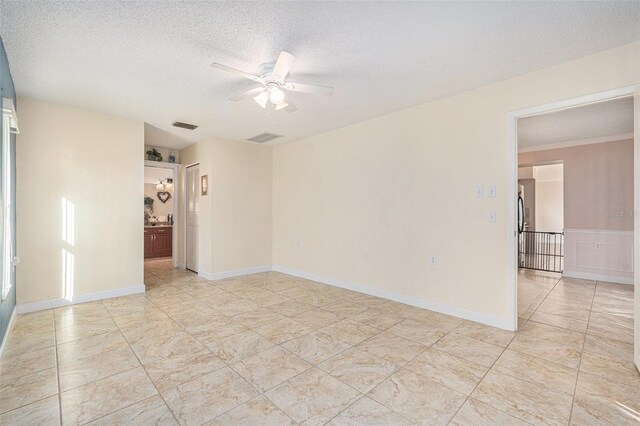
512 205
176 201
186 215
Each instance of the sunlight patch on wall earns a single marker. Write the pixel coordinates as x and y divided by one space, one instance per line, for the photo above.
68 241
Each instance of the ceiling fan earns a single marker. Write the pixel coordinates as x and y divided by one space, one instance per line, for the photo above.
272 76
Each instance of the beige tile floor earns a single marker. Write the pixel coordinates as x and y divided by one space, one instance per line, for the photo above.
271 349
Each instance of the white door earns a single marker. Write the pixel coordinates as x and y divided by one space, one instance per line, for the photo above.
193 215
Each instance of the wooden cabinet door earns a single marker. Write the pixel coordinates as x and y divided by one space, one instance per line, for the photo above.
148 244
162 243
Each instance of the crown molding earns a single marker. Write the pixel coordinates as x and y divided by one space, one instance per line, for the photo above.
577 142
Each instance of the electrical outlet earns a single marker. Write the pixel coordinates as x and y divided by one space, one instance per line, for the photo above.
433 260
298 242
597 246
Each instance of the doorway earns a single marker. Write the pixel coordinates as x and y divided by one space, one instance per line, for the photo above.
541 216
600 268
161 202
192 217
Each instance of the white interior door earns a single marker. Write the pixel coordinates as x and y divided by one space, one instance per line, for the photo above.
193 217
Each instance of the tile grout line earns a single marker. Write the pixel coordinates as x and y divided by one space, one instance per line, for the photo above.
260 391
228 365
575 388
366 394
139 361
145 372
312 365
544 299
55 343
480 381
159 307
583 342
316 365
427 347
225 363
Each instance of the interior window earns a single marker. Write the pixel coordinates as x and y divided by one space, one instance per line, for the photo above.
5 211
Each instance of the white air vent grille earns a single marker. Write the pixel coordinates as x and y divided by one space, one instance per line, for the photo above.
264 137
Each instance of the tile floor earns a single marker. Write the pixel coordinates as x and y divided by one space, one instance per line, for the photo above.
271 349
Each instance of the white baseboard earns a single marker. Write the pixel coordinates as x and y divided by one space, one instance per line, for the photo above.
24 308
597 277
480 317
8 330
235 273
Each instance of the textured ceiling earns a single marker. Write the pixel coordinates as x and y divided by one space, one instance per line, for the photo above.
150 60
585 122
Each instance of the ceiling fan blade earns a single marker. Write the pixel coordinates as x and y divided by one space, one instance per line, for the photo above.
309 88
247 94
225 68
283 64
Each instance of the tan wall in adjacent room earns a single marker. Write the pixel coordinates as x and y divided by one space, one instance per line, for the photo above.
598 184
549 206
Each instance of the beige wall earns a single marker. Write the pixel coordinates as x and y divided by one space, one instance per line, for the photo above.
159 208
370 202
549 206
549 197
92 160
598 184
236 216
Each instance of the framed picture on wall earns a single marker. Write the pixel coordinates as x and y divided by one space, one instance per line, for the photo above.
204 185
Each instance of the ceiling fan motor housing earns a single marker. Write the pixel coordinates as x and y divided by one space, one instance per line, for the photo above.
266 72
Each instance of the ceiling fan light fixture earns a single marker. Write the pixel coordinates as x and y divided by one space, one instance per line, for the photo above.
276 96
272 80
262 99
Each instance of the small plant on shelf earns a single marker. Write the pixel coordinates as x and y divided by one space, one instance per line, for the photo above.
154 155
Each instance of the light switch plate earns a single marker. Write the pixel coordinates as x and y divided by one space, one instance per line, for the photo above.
479 191
433 260
492 217
491 191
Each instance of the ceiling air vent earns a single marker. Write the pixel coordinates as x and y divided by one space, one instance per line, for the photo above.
264 137
185 125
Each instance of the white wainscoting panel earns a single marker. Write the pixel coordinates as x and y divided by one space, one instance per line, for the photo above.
599 255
